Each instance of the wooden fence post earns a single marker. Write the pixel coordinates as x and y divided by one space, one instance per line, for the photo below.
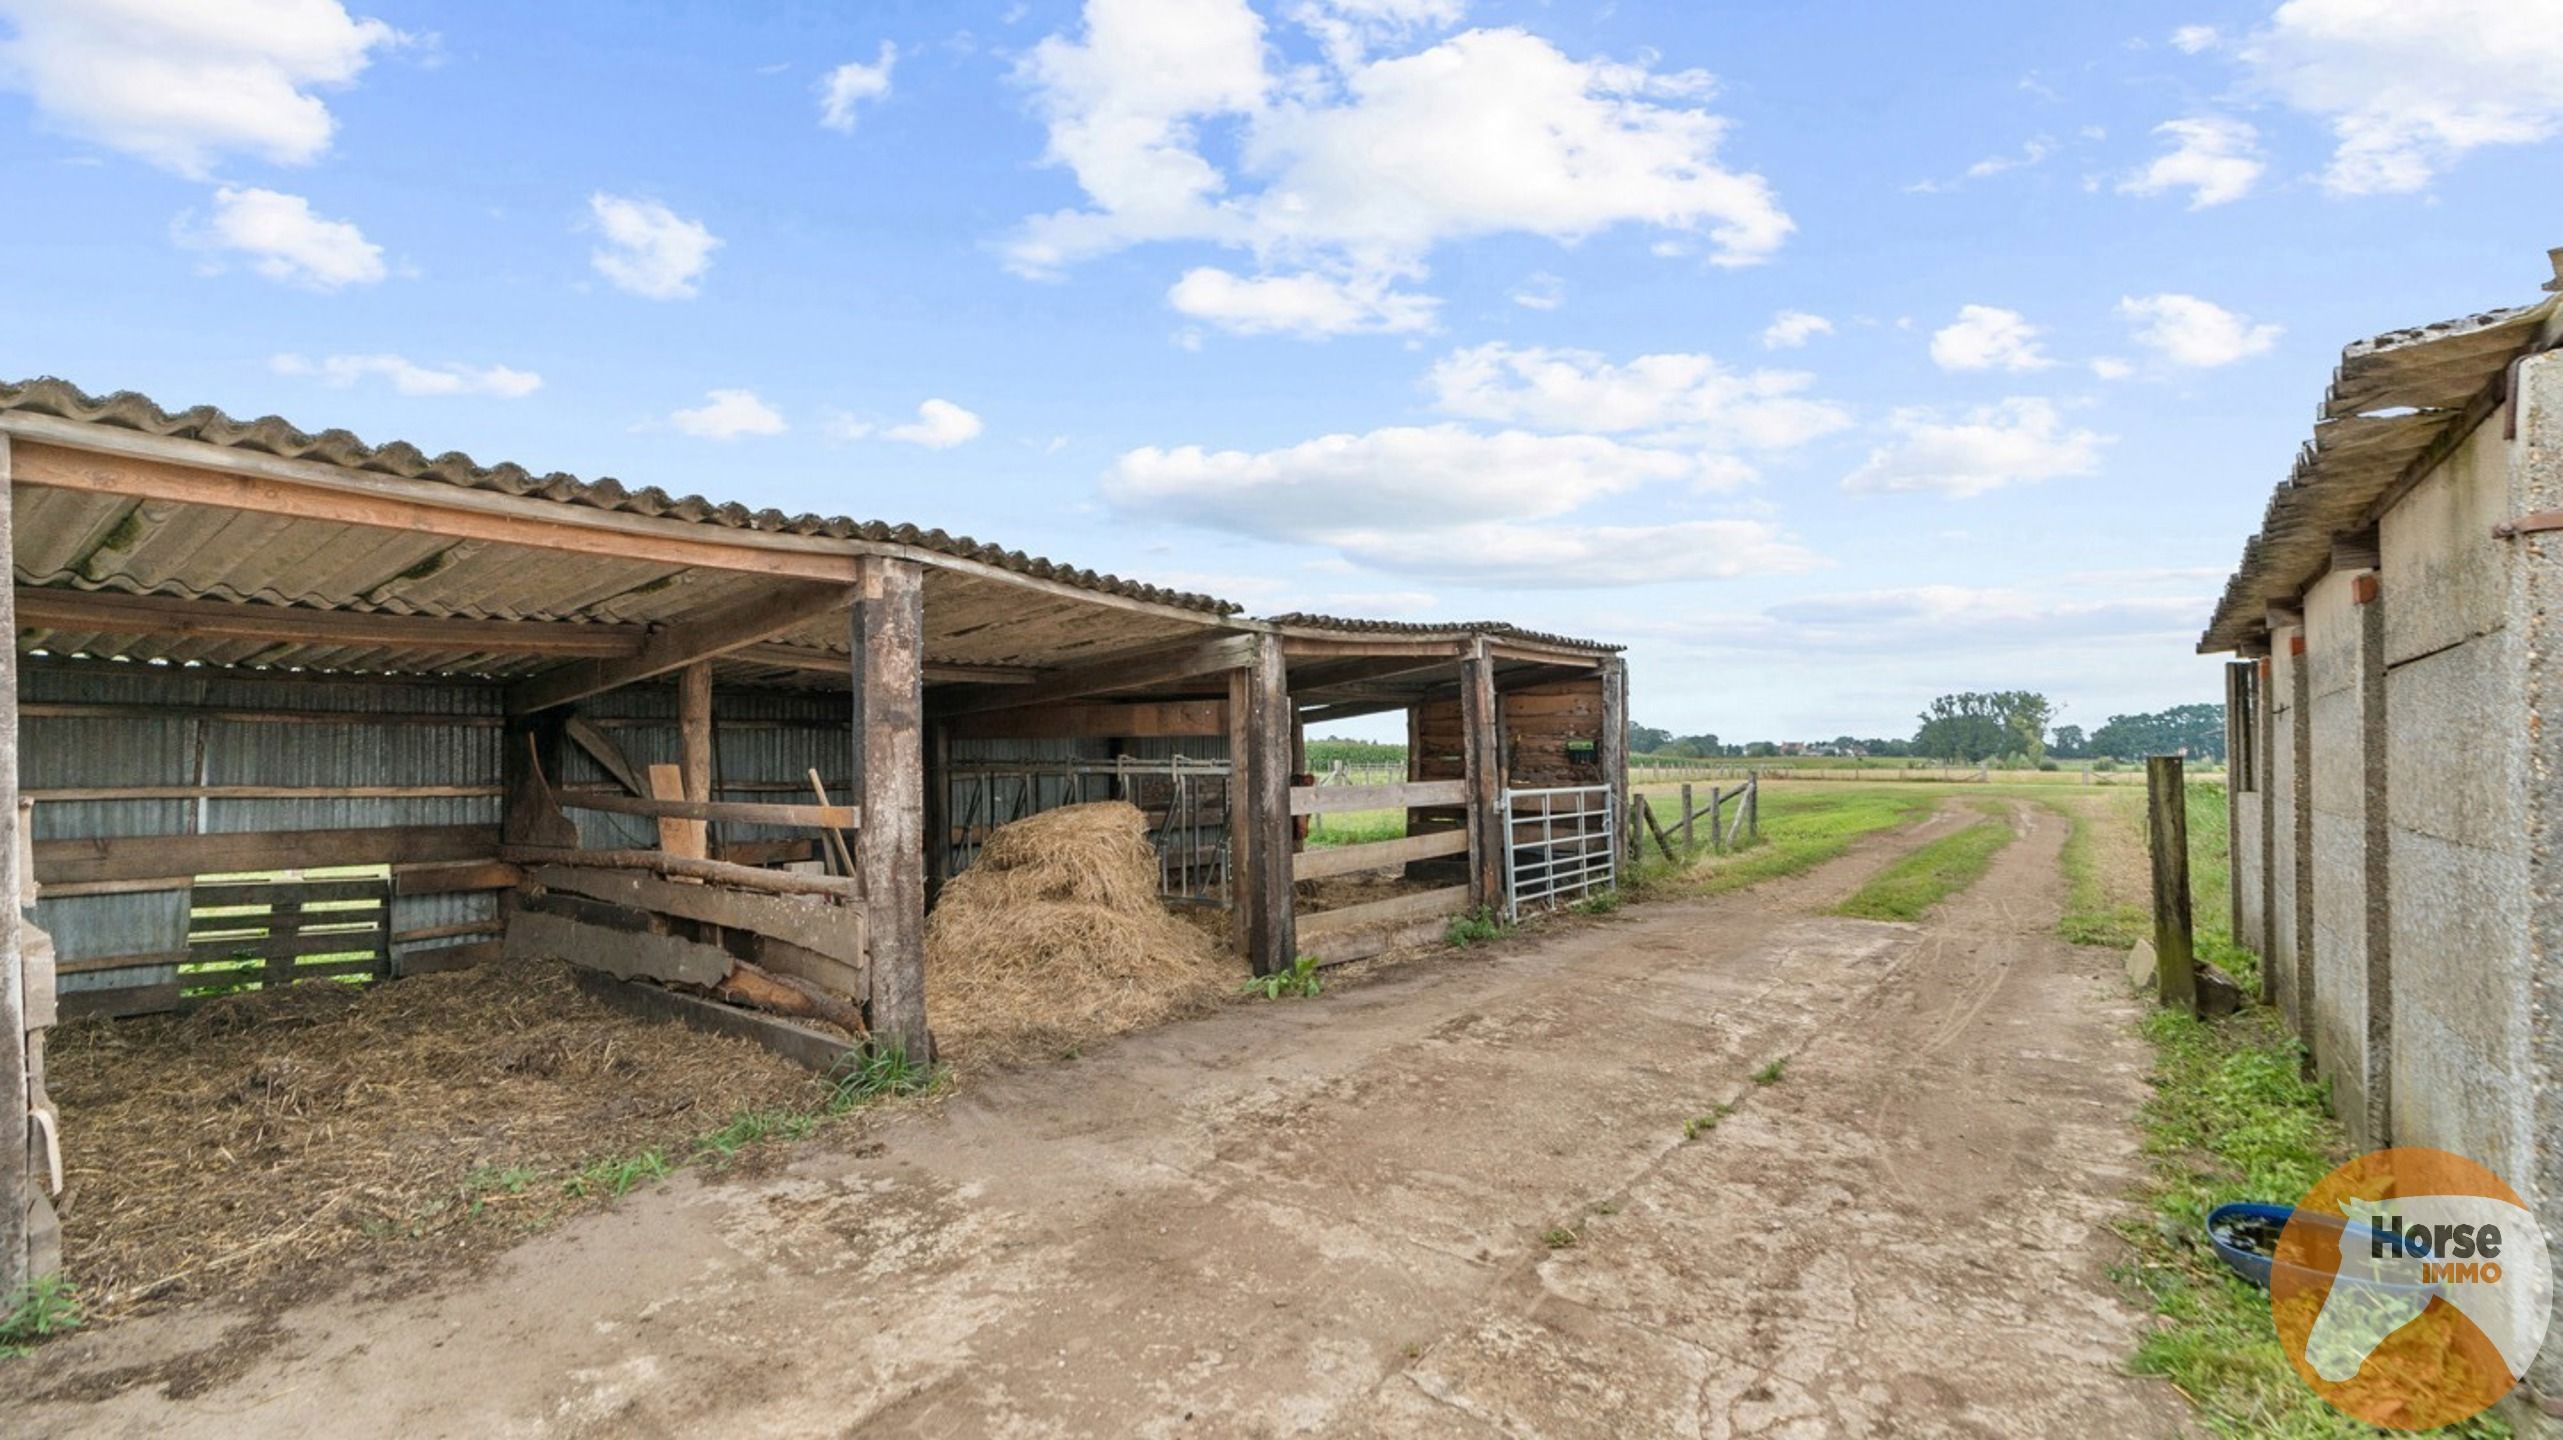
1717 819
2167 832
1752 817
1688 833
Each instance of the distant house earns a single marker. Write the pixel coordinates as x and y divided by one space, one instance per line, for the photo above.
2395 734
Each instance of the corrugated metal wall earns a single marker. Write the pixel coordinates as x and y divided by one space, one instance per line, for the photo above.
202 730
765 743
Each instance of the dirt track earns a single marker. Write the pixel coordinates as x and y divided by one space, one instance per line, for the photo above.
1335 1217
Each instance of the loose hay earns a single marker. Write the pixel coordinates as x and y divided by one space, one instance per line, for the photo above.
1056 936
275 1140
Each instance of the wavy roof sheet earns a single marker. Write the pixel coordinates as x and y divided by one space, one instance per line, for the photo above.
2394 400
272 435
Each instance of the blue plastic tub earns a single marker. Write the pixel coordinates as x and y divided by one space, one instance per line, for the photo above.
2249 1218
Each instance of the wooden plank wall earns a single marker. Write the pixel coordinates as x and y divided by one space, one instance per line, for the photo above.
1539 723
1436 749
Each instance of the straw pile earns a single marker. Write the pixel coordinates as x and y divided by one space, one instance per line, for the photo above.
1055 936
227 1150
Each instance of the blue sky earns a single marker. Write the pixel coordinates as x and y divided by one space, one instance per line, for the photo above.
1829 355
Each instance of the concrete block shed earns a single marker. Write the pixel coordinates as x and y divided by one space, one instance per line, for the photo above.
2395 714
719 758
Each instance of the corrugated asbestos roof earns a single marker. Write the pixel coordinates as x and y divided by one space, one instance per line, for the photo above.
271 435
2394 397
435 575
1351 626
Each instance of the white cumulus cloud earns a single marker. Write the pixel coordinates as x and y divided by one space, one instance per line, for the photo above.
2409 87
411 378
1362 166
285 240
2020 441
649 250
2193 39
727 415
2189 331
1681 399
1500 554
1308 305
1988 337
853 83
2214 158
181 83
1399 478
939 425
1540 291
1792 329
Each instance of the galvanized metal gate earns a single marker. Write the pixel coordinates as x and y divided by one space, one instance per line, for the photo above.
1558 846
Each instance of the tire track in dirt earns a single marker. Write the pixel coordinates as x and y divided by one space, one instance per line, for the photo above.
1292 1218
1909 1230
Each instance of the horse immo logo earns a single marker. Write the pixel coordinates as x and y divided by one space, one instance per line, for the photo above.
2411 1289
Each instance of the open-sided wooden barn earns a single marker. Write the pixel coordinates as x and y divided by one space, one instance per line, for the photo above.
666 738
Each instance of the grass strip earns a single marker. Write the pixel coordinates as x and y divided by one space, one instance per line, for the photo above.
1931 874
2231 1117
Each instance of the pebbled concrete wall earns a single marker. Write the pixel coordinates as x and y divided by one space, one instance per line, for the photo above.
2536 484
2279 958
2457 788
2351 1006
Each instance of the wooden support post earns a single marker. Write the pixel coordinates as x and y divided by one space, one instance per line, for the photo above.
1751 819
1481 731
889 785
1259 726
2167 832
19 1193
1717 822
694 739
1688 835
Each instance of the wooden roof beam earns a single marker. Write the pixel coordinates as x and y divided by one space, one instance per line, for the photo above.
1132 670
673 647
107 612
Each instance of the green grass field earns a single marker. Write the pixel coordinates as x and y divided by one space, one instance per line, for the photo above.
1801 828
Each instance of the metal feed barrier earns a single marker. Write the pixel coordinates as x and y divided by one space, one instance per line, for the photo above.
1185 800
1557 846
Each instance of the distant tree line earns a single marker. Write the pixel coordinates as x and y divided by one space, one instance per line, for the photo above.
2195 730
1976 727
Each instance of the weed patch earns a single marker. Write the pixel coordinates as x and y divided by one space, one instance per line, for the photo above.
1773 1073
1475 928
1699 1125
1301 981
1600 902
618 1176
869 1073
42 1309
